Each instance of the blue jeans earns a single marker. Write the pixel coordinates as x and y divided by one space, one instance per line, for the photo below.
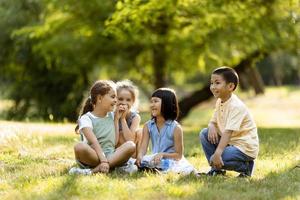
232 157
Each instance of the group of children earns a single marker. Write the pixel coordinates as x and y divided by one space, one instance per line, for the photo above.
111 137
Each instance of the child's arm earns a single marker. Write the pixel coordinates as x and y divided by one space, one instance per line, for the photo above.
213 136
144 145
178 144
116 122
216 159
91 138
129 132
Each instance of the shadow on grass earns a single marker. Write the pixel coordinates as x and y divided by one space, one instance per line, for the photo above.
277 185
273 186
273 142
278 140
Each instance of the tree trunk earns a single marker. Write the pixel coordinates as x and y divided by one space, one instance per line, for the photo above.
256 80
244 82
159 65
187 103
160 53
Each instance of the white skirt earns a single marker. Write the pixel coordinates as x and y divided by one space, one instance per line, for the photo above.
181 166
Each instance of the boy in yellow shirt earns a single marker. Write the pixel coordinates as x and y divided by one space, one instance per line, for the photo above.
230 142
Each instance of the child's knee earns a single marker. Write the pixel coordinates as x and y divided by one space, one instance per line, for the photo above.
130 146
203 134
79 147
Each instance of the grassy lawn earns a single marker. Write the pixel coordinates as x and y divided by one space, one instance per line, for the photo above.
35 159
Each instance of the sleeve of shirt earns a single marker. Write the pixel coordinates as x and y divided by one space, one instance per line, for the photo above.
214 117
235 118
112 115
85 122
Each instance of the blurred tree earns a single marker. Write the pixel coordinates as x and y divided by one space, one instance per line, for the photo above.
53 54
192 36
280 68
69 43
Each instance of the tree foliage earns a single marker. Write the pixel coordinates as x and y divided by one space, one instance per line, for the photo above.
53 50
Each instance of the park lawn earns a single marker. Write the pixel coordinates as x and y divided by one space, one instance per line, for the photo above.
35 159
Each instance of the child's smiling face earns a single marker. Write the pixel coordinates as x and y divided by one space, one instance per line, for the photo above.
219 87
107 101
125 98
155 106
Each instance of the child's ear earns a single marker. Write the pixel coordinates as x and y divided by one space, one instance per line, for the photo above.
231 86
99 98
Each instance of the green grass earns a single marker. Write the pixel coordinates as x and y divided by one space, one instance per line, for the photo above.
35 158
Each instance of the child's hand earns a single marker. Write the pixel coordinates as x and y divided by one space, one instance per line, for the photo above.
125 110
122 107
157 158
216 161
104 167
213 136
117 113
139 160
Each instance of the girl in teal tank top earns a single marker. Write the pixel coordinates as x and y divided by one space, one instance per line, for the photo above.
97 128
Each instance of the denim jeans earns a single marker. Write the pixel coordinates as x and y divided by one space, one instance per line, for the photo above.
232 157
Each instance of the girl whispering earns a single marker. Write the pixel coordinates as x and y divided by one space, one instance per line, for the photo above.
96 152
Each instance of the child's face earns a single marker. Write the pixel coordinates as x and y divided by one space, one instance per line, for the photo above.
219 87
125 98
155 106
108 101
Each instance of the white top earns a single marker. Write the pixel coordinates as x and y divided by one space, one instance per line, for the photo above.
86 122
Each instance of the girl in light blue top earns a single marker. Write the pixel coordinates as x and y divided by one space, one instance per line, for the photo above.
165 133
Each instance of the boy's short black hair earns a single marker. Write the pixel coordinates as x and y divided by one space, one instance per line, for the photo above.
229 75
169 103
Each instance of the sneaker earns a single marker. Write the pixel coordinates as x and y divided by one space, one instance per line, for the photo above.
251 167
200 174
79 171
243 175
249 172
214 172
131 161
127 169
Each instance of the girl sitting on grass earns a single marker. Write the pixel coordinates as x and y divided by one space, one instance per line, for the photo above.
166 135
96 152
129 119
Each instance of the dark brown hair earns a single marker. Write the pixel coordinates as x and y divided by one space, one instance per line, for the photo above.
169 103
100 87
229 75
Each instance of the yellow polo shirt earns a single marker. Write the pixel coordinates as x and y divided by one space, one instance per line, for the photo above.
233 115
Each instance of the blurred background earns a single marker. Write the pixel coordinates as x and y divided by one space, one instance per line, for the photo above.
52 51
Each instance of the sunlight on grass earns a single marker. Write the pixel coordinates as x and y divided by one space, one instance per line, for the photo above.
35 159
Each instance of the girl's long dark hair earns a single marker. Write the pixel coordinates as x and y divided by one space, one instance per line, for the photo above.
101 87
169 103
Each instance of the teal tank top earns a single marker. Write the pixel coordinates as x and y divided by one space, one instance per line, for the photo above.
104 130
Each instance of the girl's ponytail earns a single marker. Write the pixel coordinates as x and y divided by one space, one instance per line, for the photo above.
88 106
100 87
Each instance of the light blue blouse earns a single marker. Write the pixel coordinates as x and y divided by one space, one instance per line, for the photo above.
162 141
